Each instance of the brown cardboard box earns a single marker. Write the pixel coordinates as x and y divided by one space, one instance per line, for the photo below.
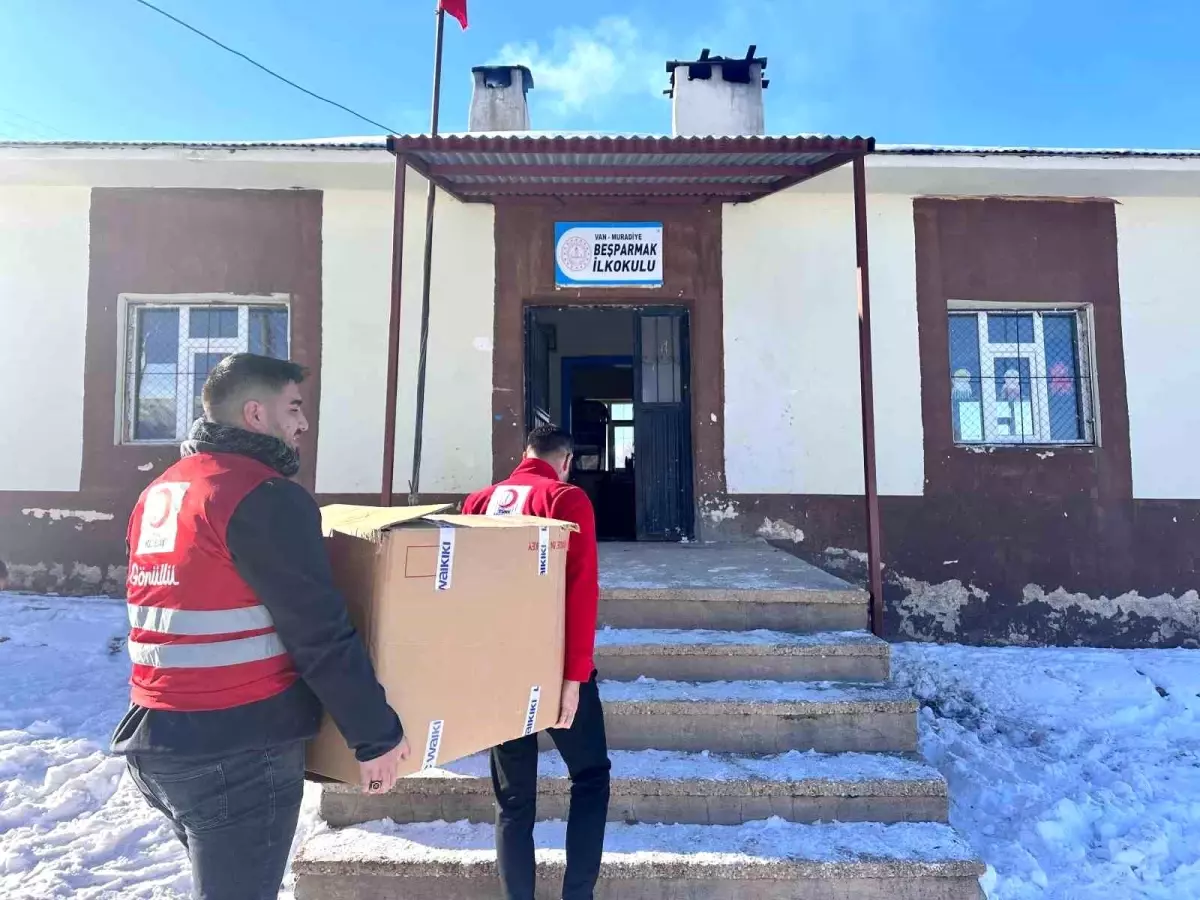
463 617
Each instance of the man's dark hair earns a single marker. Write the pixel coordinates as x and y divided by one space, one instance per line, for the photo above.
237 378
548 440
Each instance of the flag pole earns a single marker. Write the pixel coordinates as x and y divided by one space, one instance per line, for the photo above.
414 484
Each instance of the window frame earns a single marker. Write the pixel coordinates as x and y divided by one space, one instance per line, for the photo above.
128 304
613 425
1085 349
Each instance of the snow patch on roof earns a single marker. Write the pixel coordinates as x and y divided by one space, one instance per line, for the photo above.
951 150
379 142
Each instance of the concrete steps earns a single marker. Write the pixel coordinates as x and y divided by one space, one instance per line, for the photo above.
758 717
656 787
765 860
759 753
682 655
801 610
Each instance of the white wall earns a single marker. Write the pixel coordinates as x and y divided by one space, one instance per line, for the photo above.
585 332
1157 242
356 252
43 296
356 257
792 411
456 457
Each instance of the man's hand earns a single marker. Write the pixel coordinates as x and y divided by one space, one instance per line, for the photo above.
569 704
379 774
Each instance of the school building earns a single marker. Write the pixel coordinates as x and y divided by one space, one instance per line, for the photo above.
687 304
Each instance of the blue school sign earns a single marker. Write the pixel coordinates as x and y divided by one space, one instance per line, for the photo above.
608 254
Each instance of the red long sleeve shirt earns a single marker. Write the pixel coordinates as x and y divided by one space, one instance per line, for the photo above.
533 489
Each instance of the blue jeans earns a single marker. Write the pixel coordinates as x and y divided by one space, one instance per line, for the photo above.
235 815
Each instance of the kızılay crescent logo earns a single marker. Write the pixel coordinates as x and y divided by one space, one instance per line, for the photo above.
158 506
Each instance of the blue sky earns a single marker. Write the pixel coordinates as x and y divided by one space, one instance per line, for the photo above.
1120 73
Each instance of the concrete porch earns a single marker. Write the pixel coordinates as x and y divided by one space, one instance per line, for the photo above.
755 566
724 587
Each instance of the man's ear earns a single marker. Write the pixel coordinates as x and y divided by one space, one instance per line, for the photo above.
251 414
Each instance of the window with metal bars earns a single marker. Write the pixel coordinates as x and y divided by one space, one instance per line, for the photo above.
171 347
1021 376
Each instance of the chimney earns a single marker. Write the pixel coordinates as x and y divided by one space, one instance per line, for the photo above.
498 102
715 96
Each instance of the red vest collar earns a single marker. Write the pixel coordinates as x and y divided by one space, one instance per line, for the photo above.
532 466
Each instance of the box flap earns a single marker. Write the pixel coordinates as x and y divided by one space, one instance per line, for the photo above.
365 521
502 522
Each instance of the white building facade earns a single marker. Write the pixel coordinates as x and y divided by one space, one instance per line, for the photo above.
1034 324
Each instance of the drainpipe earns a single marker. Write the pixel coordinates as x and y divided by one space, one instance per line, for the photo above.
867 387
393 358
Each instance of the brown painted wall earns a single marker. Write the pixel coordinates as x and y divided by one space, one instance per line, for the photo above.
959 560
1013 251
194 241
691 278
158 241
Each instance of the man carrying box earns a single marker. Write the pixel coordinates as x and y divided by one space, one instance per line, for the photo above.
538 488
238 637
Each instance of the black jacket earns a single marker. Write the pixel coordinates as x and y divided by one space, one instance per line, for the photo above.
276 543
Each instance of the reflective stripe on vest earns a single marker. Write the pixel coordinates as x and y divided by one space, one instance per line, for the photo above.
207 656
199 622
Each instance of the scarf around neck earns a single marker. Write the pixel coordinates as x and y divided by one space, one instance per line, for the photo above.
212 437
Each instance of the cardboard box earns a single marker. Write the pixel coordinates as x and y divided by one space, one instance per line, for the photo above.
463 617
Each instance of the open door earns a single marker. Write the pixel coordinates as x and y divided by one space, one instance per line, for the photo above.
662 426
537 371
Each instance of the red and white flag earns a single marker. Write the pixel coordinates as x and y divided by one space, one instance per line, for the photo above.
456 9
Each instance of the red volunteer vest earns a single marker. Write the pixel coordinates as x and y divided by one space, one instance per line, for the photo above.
199 639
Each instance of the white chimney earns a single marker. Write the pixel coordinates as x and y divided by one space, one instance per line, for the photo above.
498 102
715 96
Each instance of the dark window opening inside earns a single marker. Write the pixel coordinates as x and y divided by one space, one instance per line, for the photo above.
617 379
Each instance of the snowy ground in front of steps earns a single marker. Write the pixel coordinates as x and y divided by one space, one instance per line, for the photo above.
1074 773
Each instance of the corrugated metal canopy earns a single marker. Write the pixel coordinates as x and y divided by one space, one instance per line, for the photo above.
735 169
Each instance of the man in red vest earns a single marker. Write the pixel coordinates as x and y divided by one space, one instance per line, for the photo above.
239 638
538 487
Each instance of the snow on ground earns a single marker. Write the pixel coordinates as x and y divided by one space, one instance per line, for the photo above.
71 823
1074 773
674 765
754 843
650 689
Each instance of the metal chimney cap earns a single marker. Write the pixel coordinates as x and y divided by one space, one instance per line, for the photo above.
502 76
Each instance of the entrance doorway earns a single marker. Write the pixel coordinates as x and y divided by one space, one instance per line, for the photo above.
617 378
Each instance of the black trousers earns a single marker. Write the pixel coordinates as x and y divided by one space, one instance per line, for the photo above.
584 748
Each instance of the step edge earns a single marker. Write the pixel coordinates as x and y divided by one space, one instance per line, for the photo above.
739 707
833 596
735 650
933 786
481 864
